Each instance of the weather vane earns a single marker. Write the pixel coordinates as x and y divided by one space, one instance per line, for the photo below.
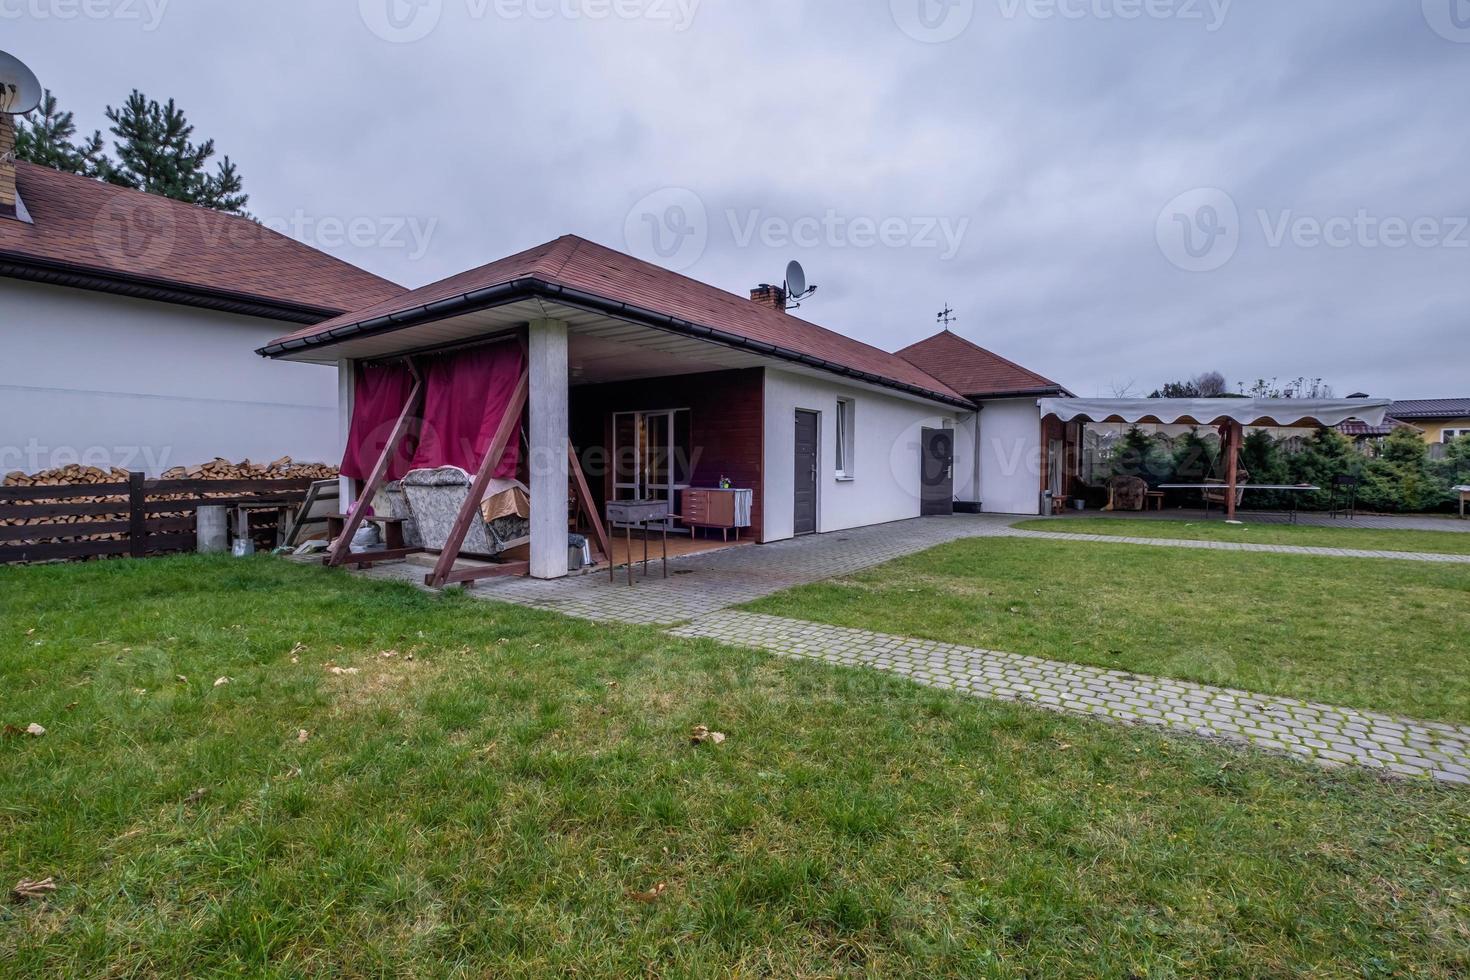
946 316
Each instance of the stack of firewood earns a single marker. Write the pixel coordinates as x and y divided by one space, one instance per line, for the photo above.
66 476
284 468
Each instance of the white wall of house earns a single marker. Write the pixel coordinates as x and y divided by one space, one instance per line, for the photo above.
111 381
1010 456
885 479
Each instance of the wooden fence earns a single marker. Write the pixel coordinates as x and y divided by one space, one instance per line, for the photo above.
135 519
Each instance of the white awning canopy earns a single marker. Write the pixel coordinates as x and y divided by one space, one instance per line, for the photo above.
1282 412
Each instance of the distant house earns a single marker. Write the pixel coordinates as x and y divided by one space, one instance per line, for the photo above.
1365 435
127 323
1440 419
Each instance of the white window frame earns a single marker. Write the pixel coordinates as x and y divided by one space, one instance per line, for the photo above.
1450 435
846 445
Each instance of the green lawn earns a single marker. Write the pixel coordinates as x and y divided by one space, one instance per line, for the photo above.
488 807
1431 542
1363 632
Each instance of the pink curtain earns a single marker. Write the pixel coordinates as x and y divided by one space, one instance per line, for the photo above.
379 396
465 395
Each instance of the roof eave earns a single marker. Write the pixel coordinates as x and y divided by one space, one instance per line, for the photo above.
1056 391
32 269
534 287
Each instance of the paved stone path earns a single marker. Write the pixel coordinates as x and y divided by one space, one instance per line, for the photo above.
1322 733
1272 549
703 583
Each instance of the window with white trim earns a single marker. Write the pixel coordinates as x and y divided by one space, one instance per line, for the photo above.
846 468
1450 435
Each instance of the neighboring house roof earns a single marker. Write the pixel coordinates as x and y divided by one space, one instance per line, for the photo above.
576 272
93 235
1433 408
1357 428
976 372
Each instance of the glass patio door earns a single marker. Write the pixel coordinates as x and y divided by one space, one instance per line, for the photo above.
651 456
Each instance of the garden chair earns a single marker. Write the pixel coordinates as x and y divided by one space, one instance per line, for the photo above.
1127 493
1345 496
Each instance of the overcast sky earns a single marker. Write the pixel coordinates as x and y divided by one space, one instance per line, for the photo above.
1110 192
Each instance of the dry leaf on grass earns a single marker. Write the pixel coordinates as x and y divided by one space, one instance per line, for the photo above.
28 890
197 795
650 896
221 681
35 730
303 735
700 734
182 679
387 654
339 671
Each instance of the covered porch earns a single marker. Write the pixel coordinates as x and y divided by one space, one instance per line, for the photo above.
563 409
1065 422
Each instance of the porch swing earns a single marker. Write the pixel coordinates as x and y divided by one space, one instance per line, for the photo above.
443 409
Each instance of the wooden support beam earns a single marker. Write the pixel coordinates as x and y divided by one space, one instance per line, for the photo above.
342 547
510 424
589 506
1234 431
466 576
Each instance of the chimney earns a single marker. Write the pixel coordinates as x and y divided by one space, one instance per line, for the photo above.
767 295
7 165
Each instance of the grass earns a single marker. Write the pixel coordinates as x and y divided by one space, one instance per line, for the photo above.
1429 542
1362 632
488 806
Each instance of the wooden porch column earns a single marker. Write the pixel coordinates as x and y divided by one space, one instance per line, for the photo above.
1233 433
547 367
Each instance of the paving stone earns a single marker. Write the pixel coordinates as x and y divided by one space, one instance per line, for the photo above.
1324 734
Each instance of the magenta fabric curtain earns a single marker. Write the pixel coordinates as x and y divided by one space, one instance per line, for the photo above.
465 394
380 393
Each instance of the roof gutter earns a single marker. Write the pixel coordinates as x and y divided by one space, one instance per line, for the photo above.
54 273
530 287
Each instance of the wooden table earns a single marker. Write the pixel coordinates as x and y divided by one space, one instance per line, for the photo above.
1293 488
1155 497
642 513
1464 499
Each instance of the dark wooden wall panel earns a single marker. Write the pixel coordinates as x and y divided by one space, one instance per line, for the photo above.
727 427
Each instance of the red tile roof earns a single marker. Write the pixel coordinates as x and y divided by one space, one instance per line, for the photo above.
1357 427
578 264
975 371
113 234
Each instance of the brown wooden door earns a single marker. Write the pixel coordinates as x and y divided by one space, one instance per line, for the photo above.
804 520
937 473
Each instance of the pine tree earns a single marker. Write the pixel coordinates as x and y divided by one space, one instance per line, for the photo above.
1195 457
1140 454
46 139
155 153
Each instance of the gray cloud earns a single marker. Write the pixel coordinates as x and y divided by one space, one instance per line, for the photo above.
1055 134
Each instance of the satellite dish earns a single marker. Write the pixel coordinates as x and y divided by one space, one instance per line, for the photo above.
20 90
795 279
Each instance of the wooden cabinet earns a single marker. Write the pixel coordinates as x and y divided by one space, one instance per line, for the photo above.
724 509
